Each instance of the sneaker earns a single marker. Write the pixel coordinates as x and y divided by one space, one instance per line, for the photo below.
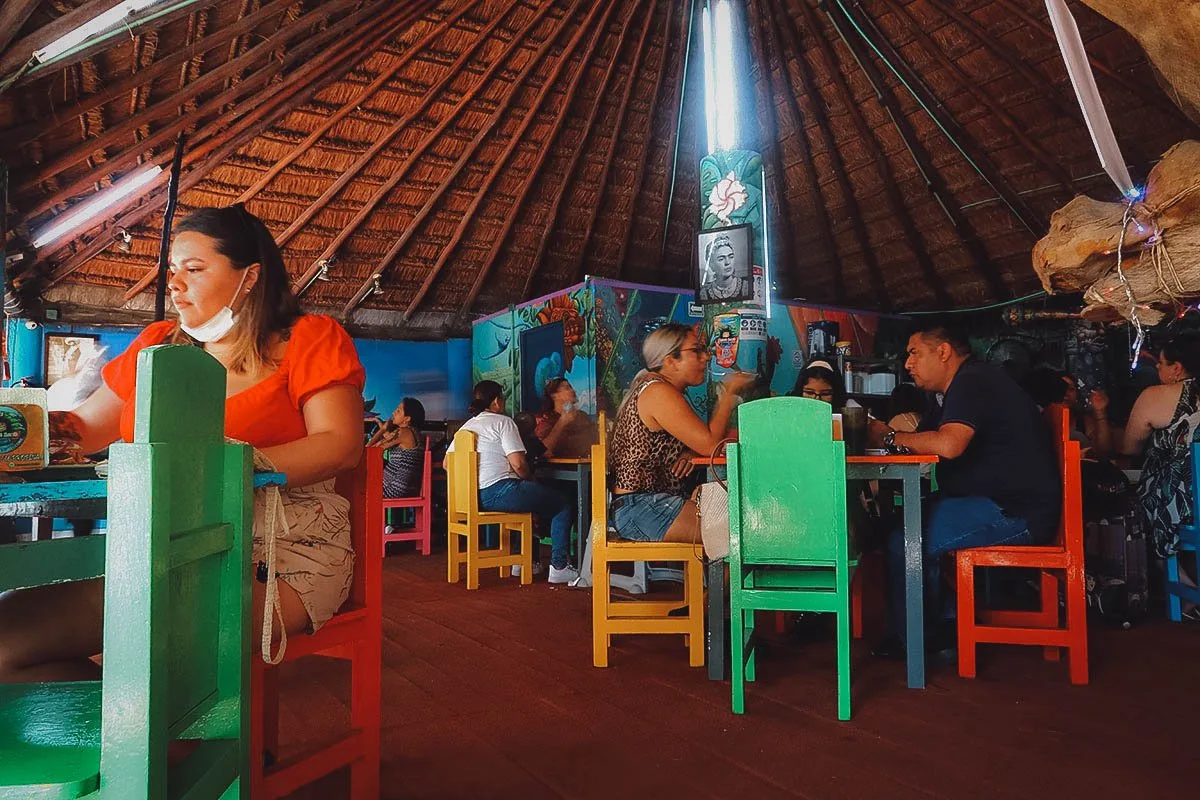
389 530
565 575
537 569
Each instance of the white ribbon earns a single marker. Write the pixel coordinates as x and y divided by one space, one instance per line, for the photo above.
1071 45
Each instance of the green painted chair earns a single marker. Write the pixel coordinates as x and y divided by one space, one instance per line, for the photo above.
788 545
176 603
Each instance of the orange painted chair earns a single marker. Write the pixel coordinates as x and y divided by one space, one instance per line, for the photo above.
639 616
464 519
355 634
1058 562
422 506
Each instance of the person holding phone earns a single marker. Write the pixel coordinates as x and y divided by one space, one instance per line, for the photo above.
565 431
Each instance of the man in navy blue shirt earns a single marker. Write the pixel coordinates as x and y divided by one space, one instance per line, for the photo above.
997 475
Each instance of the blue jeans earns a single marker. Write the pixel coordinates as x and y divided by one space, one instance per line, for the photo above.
645 516
948 524
526 496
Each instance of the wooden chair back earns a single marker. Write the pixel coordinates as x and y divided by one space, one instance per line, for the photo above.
462 478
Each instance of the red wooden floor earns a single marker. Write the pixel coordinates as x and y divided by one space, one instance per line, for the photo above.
492 694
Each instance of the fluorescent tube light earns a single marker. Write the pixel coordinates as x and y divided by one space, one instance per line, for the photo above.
98 24
93 208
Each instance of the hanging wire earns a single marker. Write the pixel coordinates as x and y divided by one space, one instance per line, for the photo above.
1002 304
1136 348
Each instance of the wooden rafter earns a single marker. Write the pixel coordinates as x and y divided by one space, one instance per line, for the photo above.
647 140
244 93
772 136
560 189
296 88
824 225
962 141
13 14
933 180
417 152
467 156
349 107
1039 154
376 147
677 131
568 177
1133 87
534 107
166 107
784 23
610 154
27 132
883 167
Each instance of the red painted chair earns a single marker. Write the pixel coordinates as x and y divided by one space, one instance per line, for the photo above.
422 529
1061 561
356 634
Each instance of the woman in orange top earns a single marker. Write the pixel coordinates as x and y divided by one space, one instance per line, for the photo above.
293 391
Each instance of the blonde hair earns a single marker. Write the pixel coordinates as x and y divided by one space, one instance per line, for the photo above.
662 342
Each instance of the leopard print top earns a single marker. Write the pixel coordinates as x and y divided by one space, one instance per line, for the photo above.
641 458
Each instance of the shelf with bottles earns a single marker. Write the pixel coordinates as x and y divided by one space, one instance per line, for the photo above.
870 376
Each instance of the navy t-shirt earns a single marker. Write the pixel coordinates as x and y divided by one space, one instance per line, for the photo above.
1010 458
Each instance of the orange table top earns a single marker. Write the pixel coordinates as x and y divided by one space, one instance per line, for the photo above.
567 461
872 459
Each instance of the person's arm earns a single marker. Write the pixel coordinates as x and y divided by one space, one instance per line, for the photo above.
520 464
333 419
1144 417
94 425
669 410
948 441
382 432
1096 426
554 438
514 448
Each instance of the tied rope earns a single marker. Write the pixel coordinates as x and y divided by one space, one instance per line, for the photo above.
272 606
1133 307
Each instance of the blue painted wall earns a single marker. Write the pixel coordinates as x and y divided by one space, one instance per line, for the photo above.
436 373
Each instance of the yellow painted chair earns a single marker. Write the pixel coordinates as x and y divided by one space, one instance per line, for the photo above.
464 519
639 616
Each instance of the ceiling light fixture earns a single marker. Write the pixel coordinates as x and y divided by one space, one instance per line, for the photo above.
85 212
98 24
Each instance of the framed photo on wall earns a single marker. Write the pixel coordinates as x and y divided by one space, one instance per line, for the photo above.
723 265
65 352
541 360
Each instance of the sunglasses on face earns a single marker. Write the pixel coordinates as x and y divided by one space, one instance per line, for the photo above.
699 350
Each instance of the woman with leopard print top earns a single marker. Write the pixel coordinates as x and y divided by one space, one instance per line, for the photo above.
657 433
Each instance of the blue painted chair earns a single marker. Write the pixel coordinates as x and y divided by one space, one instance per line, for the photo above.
176 602
789 548
1189 542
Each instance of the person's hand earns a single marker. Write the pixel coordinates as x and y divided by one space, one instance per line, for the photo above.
568 417
1099 402
876 430
738 381
683 466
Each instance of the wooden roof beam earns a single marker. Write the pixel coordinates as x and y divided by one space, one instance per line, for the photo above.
824 225
924 164
13 14
685 11
560 188
428 141
368 92
510 148
30 131
602 184
962 141
295 89
169 105
1039 154
467 155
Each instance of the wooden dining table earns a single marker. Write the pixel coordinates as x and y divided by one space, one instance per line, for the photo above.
70 493
882 467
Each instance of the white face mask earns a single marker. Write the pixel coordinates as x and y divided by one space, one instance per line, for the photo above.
218 326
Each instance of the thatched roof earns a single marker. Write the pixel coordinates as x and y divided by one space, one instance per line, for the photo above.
473 154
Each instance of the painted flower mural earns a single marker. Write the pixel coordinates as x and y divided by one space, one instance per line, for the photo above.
563 308
727 197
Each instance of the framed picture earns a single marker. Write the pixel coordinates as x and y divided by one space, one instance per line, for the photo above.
723 265
542 360
65 352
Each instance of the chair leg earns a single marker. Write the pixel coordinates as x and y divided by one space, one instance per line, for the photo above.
269 693
856 602
966 618
1174 604
843 645
473 558
505 549
365 694
425 522
527 553
693 585
452 557
737 645
1077 652
1049 617
600 596
257 776
750 652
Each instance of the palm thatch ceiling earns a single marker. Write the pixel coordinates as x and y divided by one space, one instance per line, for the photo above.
455 156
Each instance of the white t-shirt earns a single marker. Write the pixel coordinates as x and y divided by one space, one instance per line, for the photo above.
496 437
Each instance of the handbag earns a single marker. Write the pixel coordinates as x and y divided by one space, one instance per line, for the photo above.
712 507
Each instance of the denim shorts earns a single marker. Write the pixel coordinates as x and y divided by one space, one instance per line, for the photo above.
645 516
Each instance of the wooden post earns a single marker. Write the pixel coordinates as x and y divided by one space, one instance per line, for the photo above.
164 245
